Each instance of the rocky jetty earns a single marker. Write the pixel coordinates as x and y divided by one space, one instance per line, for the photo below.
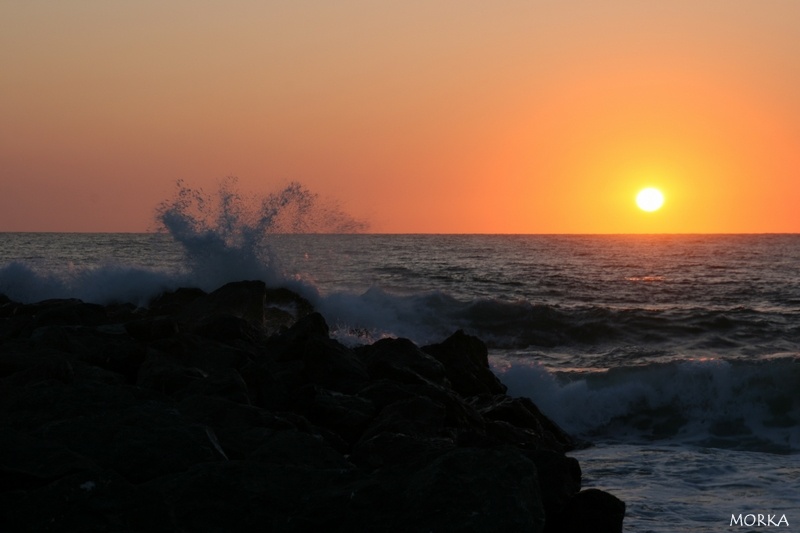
236 411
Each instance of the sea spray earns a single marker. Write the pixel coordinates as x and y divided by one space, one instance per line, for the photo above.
225 237
205 240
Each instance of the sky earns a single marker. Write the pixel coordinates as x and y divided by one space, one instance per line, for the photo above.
417 116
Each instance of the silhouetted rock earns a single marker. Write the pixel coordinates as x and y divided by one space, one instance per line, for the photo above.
235 411
401 360
466 363
522 413
589 511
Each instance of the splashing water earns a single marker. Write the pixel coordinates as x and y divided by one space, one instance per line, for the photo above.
225 237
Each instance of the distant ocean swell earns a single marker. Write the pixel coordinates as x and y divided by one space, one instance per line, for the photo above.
522 324
425 317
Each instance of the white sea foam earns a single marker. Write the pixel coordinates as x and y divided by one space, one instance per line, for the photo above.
750 405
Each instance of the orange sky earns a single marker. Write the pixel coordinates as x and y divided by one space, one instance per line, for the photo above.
419 116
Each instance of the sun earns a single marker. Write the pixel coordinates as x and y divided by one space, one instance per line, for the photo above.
649 199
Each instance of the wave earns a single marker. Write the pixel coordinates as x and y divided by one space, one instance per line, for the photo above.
224 236
594 336
602 334
746 405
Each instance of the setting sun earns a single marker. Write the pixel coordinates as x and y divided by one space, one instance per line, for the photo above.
649 199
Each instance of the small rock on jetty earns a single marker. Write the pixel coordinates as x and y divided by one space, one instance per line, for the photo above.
235 411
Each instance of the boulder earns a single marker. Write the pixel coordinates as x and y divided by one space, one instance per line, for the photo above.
243 299
466 363
401 360
523 414
589 511
235 411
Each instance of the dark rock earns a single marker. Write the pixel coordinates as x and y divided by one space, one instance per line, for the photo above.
388 449
401 360
559 478
264 388
283 308
166 376
226 384
46 369
84 502
243 299
141 443
344 414
187 416
311 326
150 329
468 490
228 329
175 302
522 413
331 365
114 353
418 416
249 496
68 313
28 462
466 363
297 448
589 511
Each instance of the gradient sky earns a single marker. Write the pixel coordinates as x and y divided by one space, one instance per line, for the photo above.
419 116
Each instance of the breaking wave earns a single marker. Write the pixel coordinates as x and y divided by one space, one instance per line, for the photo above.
223 236
746 405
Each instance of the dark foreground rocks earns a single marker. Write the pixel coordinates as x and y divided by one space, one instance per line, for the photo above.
236 411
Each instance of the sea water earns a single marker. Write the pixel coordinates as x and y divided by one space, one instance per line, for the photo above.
676 356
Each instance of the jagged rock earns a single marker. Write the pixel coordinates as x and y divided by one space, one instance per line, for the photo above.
466 364
92 501
589 511
523 414
469 490
283 308
150 329
311 326
28 462
243 299
228 329
388 449
69 312
559 478
187 416
250 496
174 302
344 414
417 416
401 360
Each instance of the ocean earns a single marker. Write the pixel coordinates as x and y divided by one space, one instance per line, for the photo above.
676 356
